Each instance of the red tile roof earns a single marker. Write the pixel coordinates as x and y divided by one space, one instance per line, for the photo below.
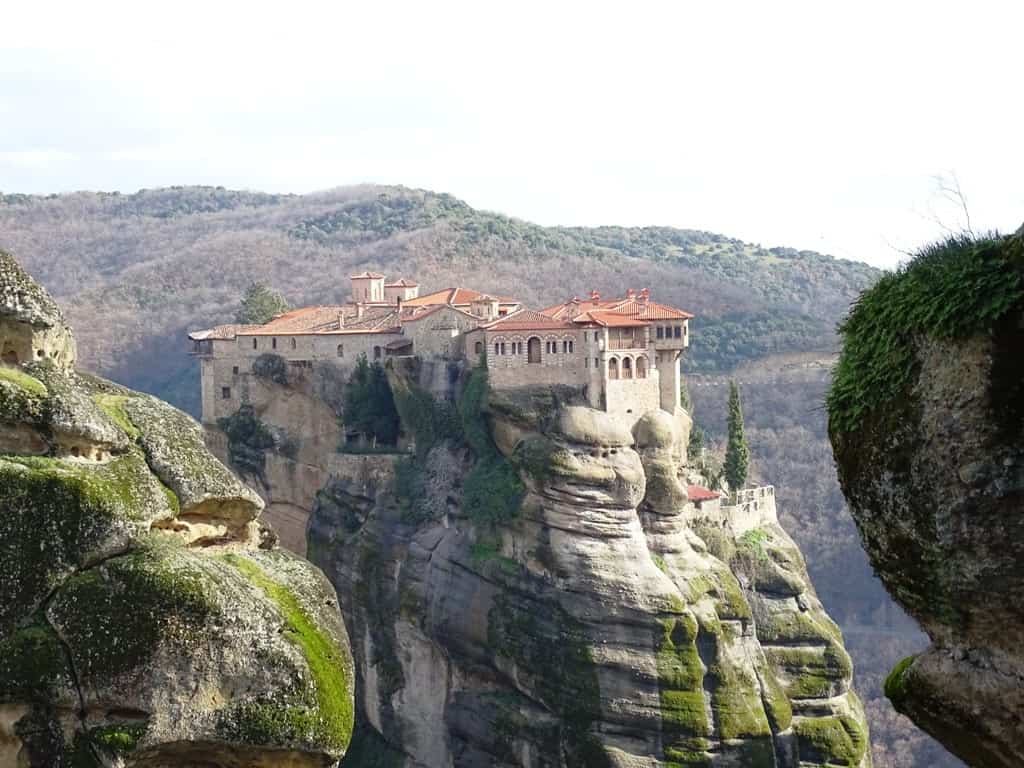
314 320
454 296
698 493
632 306
609 319
527 320
367 275
403 283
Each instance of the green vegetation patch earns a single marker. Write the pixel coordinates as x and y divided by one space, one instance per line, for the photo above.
680 688
950 290
248 440
551 646
896 683
430 421
116 615
22 397
113 407
32 663
22 380
833 740
328 722
55 513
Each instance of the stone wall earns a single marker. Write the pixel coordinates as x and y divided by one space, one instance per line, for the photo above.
629 399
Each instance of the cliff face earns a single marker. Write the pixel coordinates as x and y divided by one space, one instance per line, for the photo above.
553 598
927 423
146 617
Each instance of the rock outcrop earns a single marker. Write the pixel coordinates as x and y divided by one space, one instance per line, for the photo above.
533 587
146 616
927 424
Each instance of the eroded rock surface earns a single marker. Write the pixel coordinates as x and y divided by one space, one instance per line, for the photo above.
927 424
146 619
600 620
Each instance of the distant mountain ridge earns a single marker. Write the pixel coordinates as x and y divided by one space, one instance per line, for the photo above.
138 269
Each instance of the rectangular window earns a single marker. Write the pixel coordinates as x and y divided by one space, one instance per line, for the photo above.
570 346
661 332
497 348
254 343
234 370
678 332
597 363
225 393
595 335
586 362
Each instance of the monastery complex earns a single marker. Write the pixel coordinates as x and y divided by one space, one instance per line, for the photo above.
624 353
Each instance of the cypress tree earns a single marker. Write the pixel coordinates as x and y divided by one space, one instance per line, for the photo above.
737 453
259 304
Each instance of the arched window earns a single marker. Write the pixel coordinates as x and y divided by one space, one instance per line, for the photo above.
293 343
341 350
641 367
376 353
613 368
627 368
533 350
479 347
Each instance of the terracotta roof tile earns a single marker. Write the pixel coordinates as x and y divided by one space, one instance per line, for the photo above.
699 493
527 320
454 296
367 275
403 283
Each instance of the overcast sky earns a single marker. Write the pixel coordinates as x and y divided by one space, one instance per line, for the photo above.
780 123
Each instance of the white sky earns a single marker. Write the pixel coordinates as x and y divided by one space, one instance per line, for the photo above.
814 125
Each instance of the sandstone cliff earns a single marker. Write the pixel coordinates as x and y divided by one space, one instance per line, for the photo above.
926 417
533 587
146 617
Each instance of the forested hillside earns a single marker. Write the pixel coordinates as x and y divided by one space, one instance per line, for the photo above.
135 272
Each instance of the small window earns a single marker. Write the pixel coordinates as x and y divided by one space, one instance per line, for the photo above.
571 343
497 348
341 350
597 363
565 347
234 370
293 344
677 332
273 343
225 393
595 336
376 353
254 341
503 348
478 347
661 332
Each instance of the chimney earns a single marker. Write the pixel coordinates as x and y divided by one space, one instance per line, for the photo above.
630 293
595 296
360 307
645 295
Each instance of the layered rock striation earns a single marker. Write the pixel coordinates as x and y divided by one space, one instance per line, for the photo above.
532 586
927 424
146 616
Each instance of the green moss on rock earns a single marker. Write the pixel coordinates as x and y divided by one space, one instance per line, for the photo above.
326 716
33 663
949 290
55 515
22 397
897 681
113 406
116 615
836 740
